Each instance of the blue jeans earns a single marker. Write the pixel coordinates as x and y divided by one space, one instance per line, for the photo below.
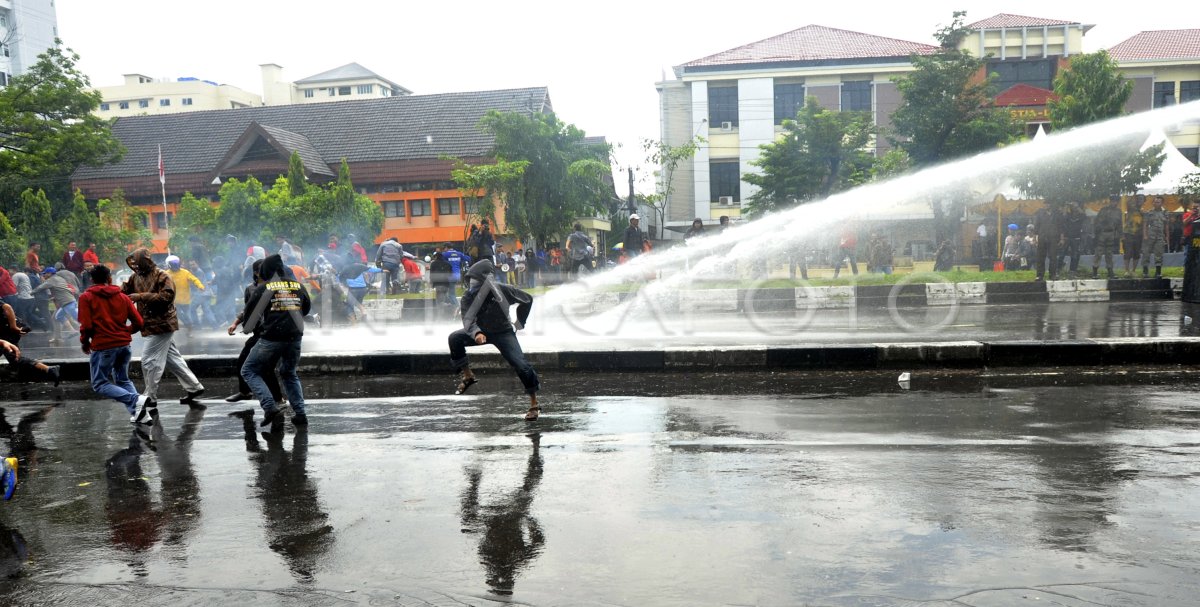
110 376
509 348
263 357
71 309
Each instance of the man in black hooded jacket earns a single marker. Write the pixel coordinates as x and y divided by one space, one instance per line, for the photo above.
276 311
485 320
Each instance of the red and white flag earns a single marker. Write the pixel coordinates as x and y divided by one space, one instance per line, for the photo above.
162 172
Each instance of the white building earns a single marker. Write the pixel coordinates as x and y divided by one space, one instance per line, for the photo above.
142 95
27 29
350 81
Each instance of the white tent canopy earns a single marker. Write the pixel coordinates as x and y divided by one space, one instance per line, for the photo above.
1174 168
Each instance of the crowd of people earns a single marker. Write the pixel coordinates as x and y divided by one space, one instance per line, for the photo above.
270 296
1055 241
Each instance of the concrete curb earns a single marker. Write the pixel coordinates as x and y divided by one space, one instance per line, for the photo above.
903 295
899 356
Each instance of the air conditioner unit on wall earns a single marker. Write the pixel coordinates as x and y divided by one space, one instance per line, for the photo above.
725 200
727 126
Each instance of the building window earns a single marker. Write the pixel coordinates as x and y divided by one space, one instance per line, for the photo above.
447 206
3 21
393 208
103 107
1192 154
6 51
366 89
722 105
1164 94
725 180
419 208
164 102
161 222
332 91
143 103
308 93
123 105
789 99
1034 72
473 204
1189 90
385 91
856 96
343 90
187 100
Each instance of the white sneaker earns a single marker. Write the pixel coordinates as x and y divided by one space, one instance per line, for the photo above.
145 408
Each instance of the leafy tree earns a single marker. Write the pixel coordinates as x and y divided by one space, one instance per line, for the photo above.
32 219
241 210
1189 187
81 226
12 245
296 180
546 174
310 217
891 164
668 158
123 227
1091 89
47 129
195 217
947 110
494 180
820 153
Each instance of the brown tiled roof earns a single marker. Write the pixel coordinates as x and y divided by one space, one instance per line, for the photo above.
814 43
1007 20
1159 44
372 130
1024 95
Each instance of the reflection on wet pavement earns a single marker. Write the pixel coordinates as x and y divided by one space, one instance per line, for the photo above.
829 489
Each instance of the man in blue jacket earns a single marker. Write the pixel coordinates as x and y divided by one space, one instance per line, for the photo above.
458 261
485 309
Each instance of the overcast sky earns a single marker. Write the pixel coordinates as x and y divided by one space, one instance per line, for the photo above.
599 60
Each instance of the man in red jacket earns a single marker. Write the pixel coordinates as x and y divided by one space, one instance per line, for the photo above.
107 321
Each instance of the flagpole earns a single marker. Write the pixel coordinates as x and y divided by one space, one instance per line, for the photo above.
162 180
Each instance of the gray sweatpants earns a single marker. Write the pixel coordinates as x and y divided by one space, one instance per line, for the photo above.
160 354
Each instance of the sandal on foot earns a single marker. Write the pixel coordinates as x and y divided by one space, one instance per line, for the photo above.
532 414
464 384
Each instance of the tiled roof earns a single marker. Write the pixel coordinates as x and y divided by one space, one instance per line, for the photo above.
814 43
345 72
1159 44
1023 95
1007 20
295 142
371 130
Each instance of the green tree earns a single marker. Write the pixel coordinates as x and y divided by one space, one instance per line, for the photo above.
194 217
123 227
310 217
547 174
81 226
667 158
32 220
1091 89
241 210
820 153
12 246
947 110
297 182
47 129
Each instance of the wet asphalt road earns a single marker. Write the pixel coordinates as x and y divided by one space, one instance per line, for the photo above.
647 489
1057 321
